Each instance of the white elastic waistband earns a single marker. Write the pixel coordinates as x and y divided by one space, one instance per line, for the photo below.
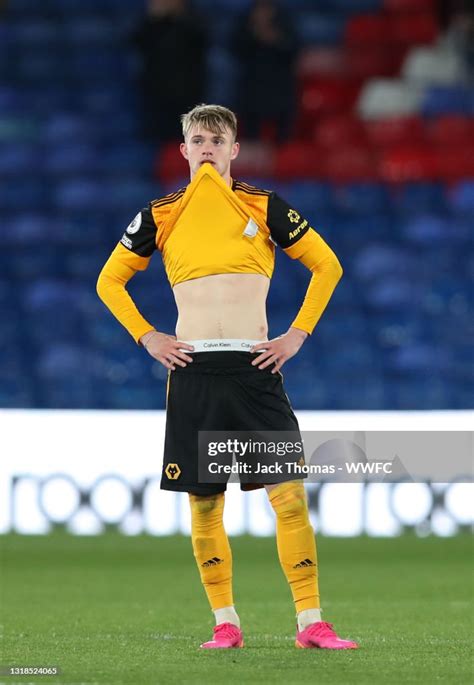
222 345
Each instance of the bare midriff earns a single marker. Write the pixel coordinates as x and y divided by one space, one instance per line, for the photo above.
222 306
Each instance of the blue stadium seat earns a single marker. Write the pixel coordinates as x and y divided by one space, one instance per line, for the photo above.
23 192
361 198
18 158
316 28
441 100
409 393
34 32
309 197
376 261
461 197
433 229
89 32
72 158
129 158
79 194
67 126
12 99
419 197
40 65
393 293
28 229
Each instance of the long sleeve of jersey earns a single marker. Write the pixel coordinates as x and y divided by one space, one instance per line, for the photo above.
121 266
299 241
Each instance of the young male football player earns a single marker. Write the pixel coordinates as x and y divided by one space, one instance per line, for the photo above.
217 239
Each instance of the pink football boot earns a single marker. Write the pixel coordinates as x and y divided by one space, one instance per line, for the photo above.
226 636
322 635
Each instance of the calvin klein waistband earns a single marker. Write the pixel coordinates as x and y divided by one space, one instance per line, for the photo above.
222 345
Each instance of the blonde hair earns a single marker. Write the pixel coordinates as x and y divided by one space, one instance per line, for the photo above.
214 118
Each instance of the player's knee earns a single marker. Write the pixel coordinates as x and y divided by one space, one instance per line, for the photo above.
206 504
289 500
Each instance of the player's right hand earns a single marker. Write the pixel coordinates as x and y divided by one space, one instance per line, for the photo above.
166 349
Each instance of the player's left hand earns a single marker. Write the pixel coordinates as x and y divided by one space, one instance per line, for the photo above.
279 350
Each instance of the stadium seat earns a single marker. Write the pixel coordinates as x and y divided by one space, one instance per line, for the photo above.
18 158
370 29
354 163
25 191
299 160
317 28
432 229
337 130
67 126
388 98
28 228
316 62
433 65
439 100
312 195
254 160
449 130
461 197
456 162
414 197
72 159
392 294
408 163
361 198
378 261
373 61
409 5
78 193
170 164
385 132
413 28
327 96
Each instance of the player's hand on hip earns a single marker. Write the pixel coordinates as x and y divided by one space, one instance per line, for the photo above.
279 350
166 349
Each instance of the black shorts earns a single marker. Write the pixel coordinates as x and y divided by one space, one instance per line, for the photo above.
219 391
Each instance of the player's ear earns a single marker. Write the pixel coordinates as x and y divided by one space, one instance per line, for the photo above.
184 150
235 150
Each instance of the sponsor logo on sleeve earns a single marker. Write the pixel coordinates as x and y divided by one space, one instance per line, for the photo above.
293 216
127 242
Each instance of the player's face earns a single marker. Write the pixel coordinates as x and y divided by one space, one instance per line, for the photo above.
202 145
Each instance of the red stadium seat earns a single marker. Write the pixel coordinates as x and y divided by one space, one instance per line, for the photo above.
317 62
299 160
409 163
170 164
372 61
450 130
456 162
410 5
351 164
342 129
367 30
413 28
394 131
328 96
255 159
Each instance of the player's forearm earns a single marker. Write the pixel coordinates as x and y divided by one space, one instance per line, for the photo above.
111 289
318 257
117 299
318 294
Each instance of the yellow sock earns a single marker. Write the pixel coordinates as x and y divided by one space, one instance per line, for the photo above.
296 543
211 548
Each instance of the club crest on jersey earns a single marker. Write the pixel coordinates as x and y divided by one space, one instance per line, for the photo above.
135 225
293 216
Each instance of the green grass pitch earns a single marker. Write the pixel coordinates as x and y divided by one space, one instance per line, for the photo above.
116 609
